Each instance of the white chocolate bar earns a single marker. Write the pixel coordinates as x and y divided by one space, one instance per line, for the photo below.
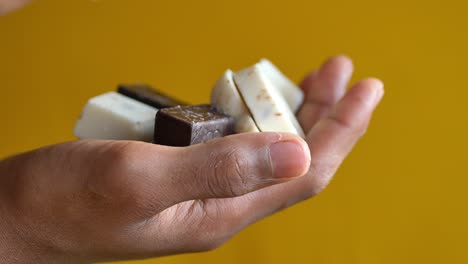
226 99
114 116
265 101
291 93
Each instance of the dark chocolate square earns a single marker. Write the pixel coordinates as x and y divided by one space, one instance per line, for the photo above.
148 95
189 125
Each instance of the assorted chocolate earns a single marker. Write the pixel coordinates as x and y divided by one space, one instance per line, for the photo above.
256 99
139 112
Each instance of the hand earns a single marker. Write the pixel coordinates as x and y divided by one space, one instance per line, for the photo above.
90 201
10 5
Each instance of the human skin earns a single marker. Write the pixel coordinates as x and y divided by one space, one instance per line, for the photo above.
10 5
90 200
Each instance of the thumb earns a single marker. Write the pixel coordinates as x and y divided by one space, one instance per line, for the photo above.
236 165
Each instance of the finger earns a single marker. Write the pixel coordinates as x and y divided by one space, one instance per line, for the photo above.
330 142
156 177
323 88
238 164
335 136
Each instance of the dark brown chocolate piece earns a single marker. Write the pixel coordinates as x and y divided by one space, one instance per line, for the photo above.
189 125
148 95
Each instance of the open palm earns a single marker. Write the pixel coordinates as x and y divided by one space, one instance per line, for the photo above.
334 119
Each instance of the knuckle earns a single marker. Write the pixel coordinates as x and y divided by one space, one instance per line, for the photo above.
341 123
361 130
321 176
359 99
230 174
113 175
318 186
118 158
355 129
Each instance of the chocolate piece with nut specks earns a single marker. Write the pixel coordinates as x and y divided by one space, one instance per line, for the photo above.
148 95
188 125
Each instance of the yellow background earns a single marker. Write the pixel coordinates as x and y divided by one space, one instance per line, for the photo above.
401 195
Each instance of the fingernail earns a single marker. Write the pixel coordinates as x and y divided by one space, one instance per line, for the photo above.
289 159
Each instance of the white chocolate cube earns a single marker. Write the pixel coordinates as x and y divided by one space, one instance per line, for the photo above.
290 91
226 99
117 117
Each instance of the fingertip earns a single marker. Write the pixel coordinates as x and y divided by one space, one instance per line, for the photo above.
339 63
380 90
375 83
288 160
374 87
335 66
342 59
307 157
290 157
289 153
306 152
